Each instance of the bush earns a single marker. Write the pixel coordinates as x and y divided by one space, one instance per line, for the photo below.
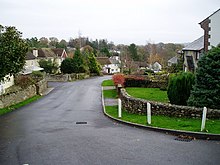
67 66
49 66
37 75
23 81
206 91
148 72
136 81
179 87
118 79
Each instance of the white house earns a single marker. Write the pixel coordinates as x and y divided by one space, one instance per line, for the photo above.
110 65
211 26
156 67
173 60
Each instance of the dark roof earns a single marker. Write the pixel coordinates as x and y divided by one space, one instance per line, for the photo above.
173 60
46 52
29 56
58 51
103 60
210 15
141 63
195 45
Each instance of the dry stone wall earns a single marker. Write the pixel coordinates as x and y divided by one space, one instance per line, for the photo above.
22 94
139 106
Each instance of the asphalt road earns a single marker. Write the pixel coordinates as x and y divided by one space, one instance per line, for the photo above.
45 133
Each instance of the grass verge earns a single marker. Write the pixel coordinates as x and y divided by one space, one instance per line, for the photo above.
110 93
16 106
107 83
151 94
186 124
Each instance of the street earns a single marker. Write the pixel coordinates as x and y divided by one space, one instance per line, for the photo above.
46 132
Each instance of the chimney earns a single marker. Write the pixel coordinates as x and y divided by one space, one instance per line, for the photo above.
35 52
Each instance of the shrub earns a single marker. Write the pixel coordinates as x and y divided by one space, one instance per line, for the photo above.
179 87
38 75
23 81
136 81
118 79
67 66
148 72
49 66
206 91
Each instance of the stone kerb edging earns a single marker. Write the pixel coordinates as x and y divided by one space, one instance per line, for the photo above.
139 106
198 135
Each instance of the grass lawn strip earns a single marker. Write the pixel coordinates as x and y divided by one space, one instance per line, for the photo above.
186 124
111 93
21 104
151 94
107 83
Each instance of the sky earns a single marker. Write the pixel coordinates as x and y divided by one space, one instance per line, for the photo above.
119 21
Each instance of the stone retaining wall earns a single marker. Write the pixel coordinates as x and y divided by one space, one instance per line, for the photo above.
67 77
139 106
17 97
41 86
22 94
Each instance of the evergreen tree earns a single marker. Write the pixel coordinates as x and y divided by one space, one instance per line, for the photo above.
67 66
179 87
94 66
79 63
206 91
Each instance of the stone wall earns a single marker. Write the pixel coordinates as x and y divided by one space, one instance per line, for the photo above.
17 97
67 77
20 94
41 86
139 106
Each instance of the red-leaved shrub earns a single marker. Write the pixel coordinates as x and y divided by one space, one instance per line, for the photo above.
136 81
118 79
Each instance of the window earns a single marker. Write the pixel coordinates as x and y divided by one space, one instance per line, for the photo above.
112 70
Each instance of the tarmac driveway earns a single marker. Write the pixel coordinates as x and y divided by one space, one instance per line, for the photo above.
45 133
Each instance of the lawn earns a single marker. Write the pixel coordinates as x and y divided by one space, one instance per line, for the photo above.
187 124
21 104
151 94
110 93
107 83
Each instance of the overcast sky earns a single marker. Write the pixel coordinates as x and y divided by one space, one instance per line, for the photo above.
120 21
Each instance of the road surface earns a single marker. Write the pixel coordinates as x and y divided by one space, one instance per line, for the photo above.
45 133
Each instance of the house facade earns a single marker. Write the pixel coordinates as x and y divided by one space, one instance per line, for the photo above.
192 53
173 60
211 26
31 63
110 65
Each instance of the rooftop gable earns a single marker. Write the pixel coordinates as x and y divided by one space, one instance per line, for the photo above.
210 16
196 45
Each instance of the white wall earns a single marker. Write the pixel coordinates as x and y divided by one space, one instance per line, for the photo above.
214 33
8 82
113 68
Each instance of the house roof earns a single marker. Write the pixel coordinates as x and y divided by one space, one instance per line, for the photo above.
114 61
46 52
210 16
141 64
195 45
173 60
29 56
58 51
103 60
